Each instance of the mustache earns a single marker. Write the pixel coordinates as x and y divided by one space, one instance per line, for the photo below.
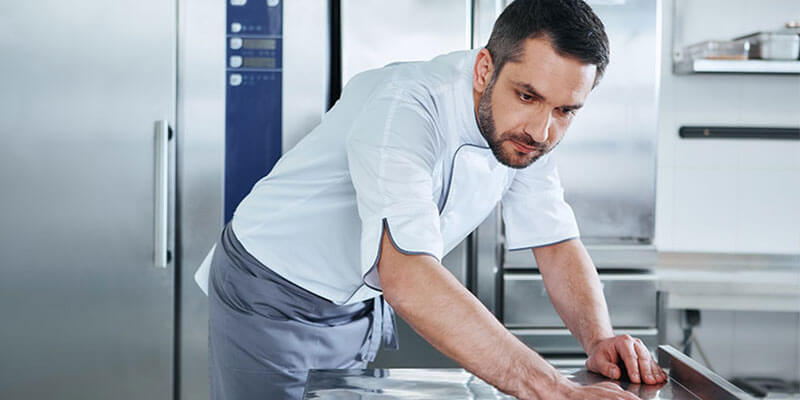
526 140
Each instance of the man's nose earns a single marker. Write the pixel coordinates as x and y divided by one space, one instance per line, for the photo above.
538 127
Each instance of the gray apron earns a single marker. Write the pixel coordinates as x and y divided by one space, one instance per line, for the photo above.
265 332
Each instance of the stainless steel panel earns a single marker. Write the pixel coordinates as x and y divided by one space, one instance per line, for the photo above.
607 160
86 315
305 68
488 264
631 300
608 256
378 33
566 361
560 341
697 378
201 136
485 12
453 384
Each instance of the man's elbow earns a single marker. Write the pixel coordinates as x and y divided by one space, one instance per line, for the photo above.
399 274
390 267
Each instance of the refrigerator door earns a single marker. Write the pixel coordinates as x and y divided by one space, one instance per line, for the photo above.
87 311
201 155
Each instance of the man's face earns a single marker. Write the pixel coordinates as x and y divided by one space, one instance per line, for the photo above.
524 111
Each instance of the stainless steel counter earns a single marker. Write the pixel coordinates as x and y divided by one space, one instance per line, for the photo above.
714 281
687 381
399 383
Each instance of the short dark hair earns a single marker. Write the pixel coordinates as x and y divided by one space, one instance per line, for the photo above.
573 28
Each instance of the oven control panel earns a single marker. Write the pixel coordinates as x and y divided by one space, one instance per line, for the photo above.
254 37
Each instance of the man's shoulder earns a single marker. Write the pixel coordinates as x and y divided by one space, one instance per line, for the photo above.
433 75
426 78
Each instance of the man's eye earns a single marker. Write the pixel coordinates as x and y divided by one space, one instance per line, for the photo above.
568 112
524 97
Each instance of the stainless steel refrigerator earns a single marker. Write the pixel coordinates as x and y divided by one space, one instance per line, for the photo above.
112 119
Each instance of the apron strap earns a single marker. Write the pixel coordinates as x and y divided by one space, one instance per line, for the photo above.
390 339
383 330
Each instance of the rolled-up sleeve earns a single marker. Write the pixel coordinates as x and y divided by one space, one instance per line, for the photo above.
392 150
534 210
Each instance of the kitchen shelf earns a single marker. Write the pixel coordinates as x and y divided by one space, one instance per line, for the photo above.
686 67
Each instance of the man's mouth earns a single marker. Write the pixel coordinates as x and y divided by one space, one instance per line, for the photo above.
523 148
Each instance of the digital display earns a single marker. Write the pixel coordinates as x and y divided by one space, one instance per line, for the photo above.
260 44
258 62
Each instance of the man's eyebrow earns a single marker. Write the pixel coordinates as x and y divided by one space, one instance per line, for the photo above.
532 91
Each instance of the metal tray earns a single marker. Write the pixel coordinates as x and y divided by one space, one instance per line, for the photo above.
773 45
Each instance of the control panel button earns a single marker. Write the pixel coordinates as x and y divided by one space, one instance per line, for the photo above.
236 43
235 79
236 27
235 61
238 2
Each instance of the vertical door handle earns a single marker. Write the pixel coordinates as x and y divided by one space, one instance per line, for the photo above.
163 135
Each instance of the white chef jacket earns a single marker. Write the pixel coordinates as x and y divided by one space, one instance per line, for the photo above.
401 149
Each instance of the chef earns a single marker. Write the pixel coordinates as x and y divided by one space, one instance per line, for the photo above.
351 224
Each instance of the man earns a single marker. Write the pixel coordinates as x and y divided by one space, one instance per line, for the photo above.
410 160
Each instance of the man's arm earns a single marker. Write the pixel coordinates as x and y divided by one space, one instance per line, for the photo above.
443 312
575 291
574 288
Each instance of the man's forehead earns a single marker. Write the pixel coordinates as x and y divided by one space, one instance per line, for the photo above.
561 79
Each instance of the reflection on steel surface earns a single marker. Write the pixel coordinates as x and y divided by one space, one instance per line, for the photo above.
448 384
697 378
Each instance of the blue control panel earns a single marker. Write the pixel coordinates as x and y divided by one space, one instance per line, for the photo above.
254 41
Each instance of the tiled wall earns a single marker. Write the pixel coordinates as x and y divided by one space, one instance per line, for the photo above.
726 195
740 196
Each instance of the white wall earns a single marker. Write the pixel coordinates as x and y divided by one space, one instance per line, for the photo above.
726 195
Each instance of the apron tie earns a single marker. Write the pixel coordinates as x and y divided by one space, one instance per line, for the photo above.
382 331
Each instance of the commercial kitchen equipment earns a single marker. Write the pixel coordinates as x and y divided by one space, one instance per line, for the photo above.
687 380
131 130
111 174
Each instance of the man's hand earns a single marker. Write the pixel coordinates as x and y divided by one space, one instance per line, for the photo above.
599 391
608 355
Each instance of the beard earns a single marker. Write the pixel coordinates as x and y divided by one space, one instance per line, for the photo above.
509 158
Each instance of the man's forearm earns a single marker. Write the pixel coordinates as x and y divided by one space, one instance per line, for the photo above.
443 312
575 291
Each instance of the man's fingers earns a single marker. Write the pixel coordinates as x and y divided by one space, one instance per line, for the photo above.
608 369
645 362
629 356
655 370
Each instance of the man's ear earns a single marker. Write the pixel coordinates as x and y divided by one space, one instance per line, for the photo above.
483 70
